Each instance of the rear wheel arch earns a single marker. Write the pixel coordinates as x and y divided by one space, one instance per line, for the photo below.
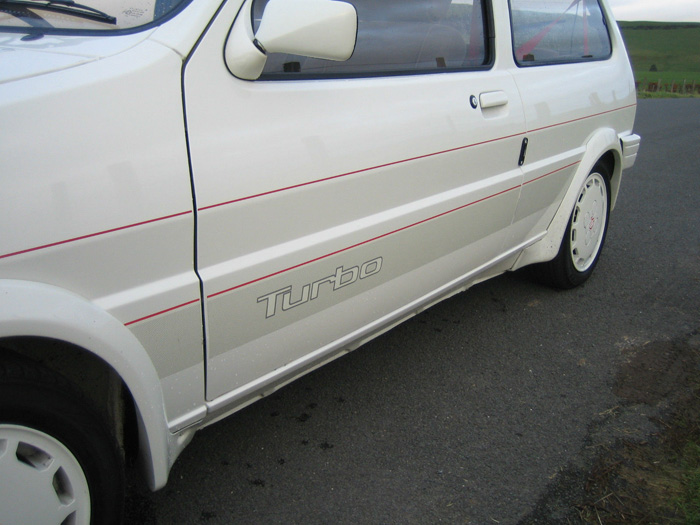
583 240
612 162
603 148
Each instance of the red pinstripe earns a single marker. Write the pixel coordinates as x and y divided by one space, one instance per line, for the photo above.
112 230
66 241
162 312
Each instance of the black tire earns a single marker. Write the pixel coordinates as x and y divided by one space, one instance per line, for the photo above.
41 417
581 246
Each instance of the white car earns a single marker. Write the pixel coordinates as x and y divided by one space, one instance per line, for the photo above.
201 200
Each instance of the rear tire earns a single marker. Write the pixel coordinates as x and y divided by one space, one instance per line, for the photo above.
62 464
583 241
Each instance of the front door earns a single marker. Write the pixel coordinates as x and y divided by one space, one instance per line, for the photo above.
331 197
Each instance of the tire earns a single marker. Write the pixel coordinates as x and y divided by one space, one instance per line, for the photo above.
62 464
583 241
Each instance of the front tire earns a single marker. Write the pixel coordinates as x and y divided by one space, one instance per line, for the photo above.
583 241
58 462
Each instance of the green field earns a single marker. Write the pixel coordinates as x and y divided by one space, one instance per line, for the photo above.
665 53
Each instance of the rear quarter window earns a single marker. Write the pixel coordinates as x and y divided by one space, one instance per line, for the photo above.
558 31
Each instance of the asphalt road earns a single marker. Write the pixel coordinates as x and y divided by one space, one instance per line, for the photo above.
473 411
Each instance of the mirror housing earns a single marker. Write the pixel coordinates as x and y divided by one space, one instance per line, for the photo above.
325 29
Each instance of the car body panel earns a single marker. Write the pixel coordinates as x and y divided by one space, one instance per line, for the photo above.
211 238
117 228
317 179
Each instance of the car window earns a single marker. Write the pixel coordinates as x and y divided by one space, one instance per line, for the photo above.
556 31
101 16
398 37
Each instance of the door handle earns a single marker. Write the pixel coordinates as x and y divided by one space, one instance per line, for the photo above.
493 99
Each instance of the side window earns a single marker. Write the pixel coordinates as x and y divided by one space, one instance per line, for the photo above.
397 37
556 31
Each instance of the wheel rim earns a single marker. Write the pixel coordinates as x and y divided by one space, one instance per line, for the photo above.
46 482
588 222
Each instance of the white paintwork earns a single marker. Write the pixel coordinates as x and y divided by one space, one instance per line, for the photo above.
313 28
110 221
378 186
243 58
23 59
326 210
630 147
493 99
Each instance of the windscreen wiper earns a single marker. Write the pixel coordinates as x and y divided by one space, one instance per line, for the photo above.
68 7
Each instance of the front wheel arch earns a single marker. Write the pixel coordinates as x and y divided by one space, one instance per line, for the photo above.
37 311
64 462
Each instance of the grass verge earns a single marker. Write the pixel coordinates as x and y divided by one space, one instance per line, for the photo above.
665 58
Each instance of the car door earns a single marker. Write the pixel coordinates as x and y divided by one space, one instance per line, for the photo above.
333 198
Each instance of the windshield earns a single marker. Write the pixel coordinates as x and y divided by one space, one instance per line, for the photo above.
91 15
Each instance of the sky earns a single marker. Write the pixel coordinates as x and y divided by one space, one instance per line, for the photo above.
657 10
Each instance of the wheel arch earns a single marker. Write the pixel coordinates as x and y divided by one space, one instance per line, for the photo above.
35 317
602 147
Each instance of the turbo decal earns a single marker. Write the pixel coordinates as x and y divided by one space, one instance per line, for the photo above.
286 298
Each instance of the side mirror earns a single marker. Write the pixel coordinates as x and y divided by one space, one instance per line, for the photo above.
324 29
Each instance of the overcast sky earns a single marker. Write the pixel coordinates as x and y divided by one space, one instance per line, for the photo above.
657 10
